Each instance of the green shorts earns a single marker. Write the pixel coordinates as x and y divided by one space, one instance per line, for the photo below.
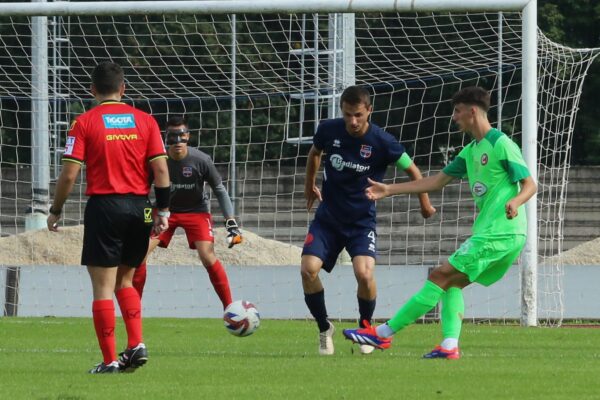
485 258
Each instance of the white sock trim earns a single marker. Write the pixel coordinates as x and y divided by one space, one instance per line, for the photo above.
384 331
449 343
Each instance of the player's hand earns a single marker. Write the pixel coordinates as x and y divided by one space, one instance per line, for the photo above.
427 210
311 194
52 222
512 209
376 190
161 224
234 234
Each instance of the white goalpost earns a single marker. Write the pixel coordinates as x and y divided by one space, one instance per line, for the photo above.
254 79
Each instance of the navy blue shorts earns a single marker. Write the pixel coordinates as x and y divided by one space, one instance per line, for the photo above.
327 240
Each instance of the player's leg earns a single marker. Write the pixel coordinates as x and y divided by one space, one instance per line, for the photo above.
320 251
216 271
199 232
453 308
361 245
440 279
485 259
424 300
314 297
135 354
314 293
130 304
139 277
135 249
366 292
103 314
453 311
101 253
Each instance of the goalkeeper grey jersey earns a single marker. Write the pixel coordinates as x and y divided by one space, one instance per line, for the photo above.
187 182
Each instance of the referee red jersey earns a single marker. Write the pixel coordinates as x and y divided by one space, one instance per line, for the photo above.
116 142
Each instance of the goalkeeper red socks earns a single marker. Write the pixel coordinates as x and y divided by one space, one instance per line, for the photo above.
218 278
103 312
131 310
139 279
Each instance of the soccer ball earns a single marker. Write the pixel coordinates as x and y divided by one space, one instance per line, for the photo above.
241 318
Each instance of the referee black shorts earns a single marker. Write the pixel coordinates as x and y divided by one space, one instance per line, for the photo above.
116 230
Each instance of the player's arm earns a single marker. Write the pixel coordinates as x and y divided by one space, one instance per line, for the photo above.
528 189
234 234
64 185
414 173
378 190
311 191
162 192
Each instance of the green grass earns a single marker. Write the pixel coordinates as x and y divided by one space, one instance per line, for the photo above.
47 358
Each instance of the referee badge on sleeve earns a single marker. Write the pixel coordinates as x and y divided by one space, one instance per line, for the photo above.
69 145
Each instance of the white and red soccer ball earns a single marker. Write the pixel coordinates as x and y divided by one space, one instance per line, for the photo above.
241 318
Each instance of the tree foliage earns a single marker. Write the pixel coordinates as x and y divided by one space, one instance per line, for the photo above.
167 74
576 23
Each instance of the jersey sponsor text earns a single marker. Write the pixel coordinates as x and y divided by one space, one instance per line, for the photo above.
118 121
338 163
133 136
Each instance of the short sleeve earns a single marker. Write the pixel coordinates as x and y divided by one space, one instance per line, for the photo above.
395 151
511 159
156 147
458 167
75 144
319 138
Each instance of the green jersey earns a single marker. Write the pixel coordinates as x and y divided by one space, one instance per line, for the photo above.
494 167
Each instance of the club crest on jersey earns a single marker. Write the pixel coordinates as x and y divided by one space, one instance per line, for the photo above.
479 189
187 172
366 151
336 143
309 239
484 159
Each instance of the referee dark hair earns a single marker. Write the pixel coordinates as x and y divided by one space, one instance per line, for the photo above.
119 145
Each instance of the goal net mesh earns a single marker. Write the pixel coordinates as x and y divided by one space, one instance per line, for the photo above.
253 88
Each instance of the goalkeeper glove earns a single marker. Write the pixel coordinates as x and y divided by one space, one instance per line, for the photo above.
234 235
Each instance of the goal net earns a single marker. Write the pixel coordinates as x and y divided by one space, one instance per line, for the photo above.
254 88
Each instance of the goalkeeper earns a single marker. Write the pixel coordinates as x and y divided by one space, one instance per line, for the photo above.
190 169
500 184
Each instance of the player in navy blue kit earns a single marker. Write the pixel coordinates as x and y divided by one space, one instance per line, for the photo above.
355 150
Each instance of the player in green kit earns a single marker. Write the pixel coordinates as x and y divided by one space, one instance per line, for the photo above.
500 184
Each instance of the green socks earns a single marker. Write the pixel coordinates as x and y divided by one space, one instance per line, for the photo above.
453 309
417 306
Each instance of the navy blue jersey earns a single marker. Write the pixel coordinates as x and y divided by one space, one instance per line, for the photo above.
349 161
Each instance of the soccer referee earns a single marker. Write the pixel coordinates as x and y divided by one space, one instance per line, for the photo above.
117 142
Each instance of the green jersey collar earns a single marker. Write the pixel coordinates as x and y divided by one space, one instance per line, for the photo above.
492 136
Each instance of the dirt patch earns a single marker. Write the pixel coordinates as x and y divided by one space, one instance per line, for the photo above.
42 247
587 253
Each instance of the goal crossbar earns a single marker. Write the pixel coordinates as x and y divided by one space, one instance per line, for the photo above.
257 6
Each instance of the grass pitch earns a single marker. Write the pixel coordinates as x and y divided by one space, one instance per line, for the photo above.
47 358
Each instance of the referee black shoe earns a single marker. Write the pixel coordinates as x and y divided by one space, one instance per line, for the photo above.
131 359
112 368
